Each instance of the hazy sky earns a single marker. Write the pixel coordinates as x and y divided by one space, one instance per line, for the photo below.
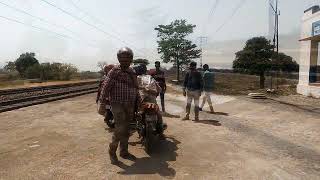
132 23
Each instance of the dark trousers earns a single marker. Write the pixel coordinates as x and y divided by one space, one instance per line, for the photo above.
162 101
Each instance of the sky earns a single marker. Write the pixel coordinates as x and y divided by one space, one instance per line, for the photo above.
84 32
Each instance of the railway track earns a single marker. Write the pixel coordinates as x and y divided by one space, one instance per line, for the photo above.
11 99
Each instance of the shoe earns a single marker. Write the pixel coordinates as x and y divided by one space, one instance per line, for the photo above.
128 155
196 119
211 110
113 158
185 118
200 109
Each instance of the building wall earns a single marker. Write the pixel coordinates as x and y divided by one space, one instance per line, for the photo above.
308 55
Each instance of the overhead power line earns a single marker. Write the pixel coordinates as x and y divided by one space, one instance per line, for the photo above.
99 21
213 9
86 13
43 20
210 15
89 24
36 27
231 16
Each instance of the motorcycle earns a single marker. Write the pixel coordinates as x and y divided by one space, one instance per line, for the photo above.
148 126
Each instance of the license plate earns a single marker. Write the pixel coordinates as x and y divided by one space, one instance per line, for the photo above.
151 118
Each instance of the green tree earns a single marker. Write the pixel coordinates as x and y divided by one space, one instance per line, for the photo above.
46 72
173 45
284 63
57 71
25 61
33 71
255 58
68 71
10 66
139 61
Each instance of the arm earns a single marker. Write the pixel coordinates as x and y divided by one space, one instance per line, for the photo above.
107 85
99 90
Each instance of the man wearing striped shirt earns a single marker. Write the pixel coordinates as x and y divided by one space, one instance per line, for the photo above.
120 90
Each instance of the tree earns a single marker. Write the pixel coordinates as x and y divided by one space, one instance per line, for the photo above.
284 63
25 61
33 71
255 58
100 65
57 71
139 61
68 70
174 46
46 72
10 66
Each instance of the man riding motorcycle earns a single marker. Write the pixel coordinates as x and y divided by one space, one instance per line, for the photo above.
149 90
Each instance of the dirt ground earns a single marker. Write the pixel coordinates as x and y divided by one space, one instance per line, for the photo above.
245 139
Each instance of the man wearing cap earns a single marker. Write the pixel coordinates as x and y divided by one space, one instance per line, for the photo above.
120 90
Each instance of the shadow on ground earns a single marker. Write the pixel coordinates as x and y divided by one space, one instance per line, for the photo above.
310 109
218 113
209 122
168 115
157 162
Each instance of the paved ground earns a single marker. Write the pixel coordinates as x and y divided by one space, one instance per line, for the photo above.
246 139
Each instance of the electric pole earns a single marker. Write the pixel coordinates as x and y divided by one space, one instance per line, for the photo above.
276 12
202 41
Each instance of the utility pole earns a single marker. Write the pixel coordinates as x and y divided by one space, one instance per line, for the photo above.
202 41
276 12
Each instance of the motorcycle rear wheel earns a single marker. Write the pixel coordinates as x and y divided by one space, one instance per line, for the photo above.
149 139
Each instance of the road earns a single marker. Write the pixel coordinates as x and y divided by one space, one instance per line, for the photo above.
245 139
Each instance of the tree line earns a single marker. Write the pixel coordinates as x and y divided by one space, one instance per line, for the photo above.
29 67
174 46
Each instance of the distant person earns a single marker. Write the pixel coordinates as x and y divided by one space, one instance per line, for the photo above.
159 76
192 88
120 90
208 85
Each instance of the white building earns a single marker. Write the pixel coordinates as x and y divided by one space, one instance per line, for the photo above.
309 78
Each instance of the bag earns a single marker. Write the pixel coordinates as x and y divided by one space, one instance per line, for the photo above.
102 108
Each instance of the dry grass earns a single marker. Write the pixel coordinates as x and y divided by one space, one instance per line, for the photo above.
242 84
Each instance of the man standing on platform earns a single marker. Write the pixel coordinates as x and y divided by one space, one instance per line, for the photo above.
159 76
